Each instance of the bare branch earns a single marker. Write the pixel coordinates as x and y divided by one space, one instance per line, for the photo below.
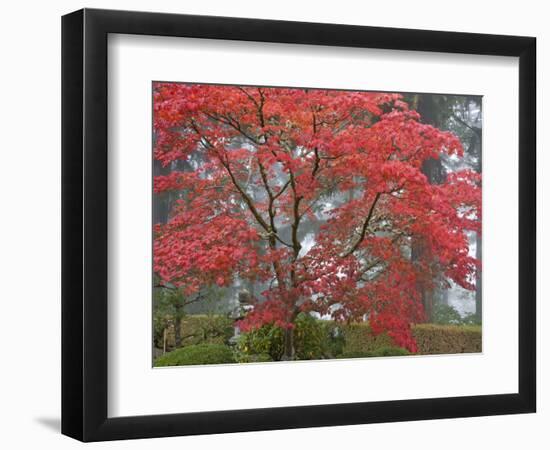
365 225
476 130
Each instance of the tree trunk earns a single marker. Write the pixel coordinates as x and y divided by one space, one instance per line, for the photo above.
418 252
428 302
177 325
479 302
289 351
436 174
162 203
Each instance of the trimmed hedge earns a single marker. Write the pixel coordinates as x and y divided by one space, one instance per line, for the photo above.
431 339
358 338
382 351
390 351
444 339
197 354
202 329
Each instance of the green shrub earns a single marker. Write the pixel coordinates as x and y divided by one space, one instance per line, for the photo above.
446 315
209 328
445 339
354 354
471 319
336 339
267 340
313 339
245 358
197 354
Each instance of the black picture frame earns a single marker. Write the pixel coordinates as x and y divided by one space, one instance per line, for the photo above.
84 224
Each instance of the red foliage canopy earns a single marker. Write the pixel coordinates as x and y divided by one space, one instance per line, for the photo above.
319 194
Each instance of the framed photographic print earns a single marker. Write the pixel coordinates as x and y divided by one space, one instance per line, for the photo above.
274 224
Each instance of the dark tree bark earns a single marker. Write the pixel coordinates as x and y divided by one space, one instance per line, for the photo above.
475 149
161 205
178 314
479 302
427 107
289 350
418 251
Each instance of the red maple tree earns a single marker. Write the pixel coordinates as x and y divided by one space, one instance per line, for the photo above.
267 165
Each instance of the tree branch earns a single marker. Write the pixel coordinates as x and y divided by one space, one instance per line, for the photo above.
283 188
365 225
245 197
270 209
476 130
233 124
